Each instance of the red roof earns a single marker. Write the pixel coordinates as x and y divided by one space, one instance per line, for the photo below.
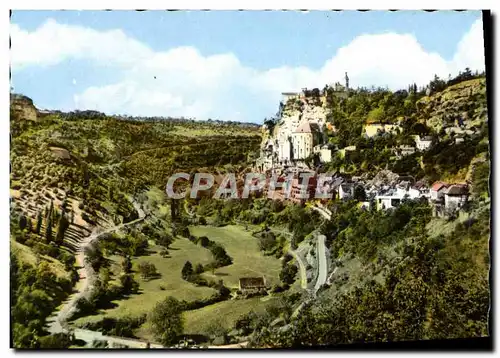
437 186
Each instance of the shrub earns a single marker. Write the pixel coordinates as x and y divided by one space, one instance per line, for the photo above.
147 270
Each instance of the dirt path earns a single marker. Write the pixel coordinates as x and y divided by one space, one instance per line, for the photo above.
322 211
231 346
58 322
302 269
90 336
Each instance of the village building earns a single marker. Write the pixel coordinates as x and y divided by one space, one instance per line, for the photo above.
438 190
391 197
324 152
249 284
300 192
423 143
346 191
403 150
387 201
289 95
418 190
305 137
456 196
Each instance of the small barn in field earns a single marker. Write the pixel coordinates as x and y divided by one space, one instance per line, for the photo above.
252 283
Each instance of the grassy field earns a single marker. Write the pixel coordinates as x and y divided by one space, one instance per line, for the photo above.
224 313
248 260
198 322
170 268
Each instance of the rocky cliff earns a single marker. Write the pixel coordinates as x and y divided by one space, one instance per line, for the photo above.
459 106
23 107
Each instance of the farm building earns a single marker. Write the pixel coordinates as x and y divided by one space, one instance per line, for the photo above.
252 283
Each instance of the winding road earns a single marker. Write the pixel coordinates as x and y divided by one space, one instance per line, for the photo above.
322 266
325 212
58 322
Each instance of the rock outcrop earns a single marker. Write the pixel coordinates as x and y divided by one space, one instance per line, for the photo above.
458 108
23 107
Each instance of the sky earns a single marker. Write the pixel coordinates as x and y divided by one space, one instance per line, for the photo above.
228 65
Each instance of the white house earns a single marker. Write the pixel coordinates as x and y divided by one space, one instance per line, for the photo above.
391 198
289 95
403 150
438 190
423 143
346 190
325 153
304 138
418 190
456 196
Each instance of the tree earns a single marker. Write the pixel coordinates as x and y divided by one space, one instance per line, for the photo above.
23 222
147 270
187 270
220 255
376 115
127 265
48 230
94 256
128 283
359 193
67 259
38 223
164 253
48 213
165 240
166 321
61 229
216 330
288 273
55 341
198 269
203 241
267 242
212 266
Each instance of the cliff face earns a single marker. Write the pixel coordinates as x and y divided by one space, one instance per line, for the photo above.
23 107
461 105
307 109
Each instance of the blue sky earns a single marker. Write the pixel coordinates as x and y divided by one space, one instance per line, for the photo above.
227 64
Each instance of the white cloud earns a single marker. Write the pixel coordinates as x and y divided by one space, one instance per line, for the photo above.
182 81
390 59
53 43
470 50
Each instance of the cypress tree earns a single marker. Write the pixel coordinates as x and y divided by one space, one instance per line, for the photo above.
48 231
61 229
187 270
38 223
23 222
30 225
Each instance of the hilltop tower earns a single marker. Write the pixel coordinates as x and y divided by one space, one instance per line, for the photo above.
346 82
